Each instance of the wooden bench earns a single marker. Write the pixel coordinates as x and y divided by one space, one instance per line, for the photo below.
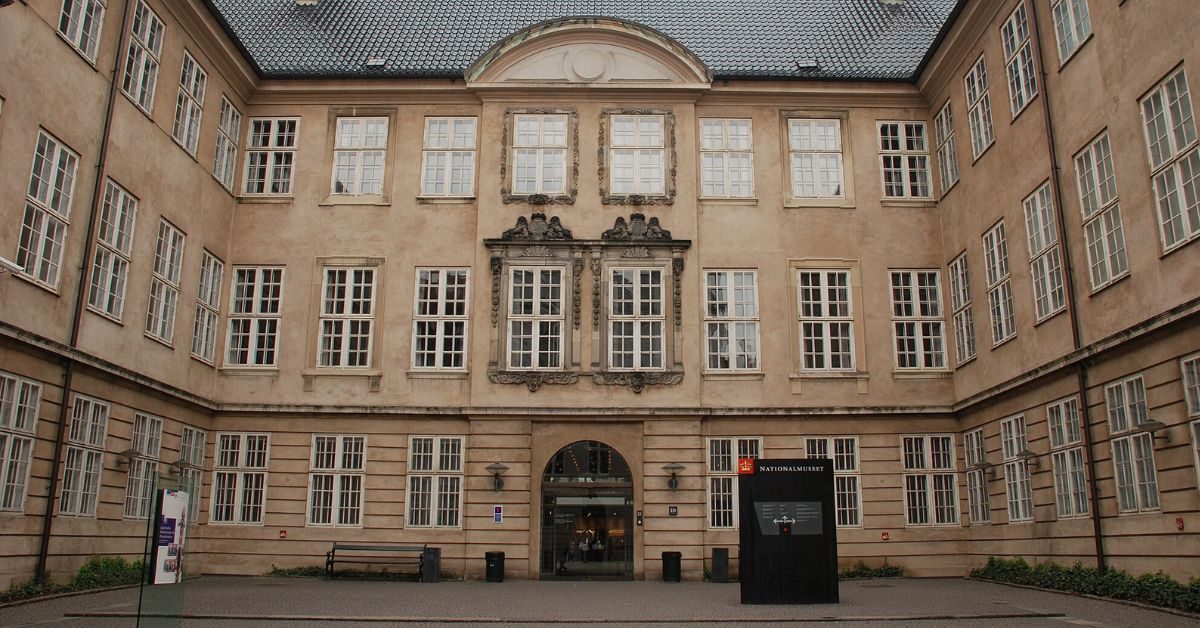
354 553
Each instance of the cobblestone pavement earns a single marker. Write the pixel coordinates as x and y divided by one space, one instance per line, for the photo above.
294 603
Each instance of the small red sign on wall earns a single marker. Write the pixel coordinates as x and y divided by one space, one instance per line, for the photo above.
745 466
283 534
1179 523
884 536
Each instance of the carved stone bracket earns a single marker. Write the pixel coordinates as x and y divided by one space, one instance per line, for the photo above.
636 229
536 228
497 265
638 380
596 267
676 280
533 379
506 141
576 283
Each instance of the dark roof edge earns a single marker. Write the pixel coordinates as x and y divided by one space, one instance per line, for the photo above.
216 13
937 41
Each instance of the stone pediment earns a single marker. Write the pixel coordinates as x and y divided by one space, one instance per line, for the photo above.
593 52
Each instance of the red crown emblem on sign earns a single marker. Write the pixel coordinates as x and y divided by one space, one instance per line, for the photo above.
745 466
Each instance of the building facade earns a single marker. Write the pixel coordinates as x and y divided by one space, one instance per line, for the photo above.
362 274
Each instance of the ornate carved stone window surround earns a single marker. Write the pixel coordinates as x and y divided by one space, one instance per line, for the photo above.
647 138
539 156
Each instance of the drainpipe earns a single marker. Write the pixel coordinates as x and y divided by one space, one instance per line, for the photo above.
88 251
1072 299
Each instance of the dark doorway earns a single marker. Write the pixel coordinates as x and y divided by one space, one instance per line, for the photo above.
587 514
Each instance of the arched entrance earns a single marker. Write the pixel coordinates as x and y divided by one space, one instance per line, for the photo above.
587 514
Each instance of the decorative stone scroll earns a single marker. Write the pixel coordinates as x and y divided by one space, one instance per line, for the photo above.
536 228
638 380
636 229
533 379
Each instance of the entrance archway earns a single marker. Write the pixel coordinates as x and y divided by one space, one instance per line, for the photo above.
587 514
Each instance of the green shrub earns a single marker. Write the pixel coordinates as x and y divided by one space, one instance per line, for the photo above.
297 572
106 571
1156 589
860 570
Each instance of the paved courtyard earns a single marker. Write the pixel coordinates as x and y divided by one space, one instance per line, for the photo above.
261 601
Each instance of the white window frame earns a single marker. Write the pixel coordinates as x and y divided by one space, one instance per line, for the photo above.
208 308
978 495
721 483
1045 255
1174 156
812 156
229 128
81 24
960 302
255 301
191 472
943 129
189 105
847 478
146 445
20 401
47 211
904 159
1135 473
540 152
726 158
448 159
935 507
114 244
444 505
1072 26
1101 213
1018 59
816 314
918 325
549 344
979 108
1066 451
999 280
84 459
270 156
142 58
342 342
442 301
638 157
646 312
343 499
731 321
351 151
243 472
163 302
1018 485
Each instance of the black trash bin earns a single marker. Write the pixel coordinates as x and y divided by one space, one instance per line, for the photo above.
495 566
720 564
431 565
671 567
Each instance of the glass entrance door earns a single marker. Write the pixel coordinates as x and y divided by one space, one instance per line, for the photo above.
587 534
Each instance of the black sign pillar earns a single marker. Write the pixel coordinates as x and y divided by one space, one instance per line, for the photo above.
788 533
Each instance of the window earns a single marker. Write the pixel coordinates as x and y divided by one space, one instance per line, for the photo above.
917 319
435 478
731 320
80 24
225 156
440 319
815 147
270 156
208 304
347 317
930 486
1018 59
19 401
726 158
636 319
722 477
960 301
1072 26
977 483
1102 227
164 285
47 210
539 154
1015 448
979 108
637 155
448 167
999 279
904 157
826 321
85 457
943 128
335 484
239 491
1066 444
143 465
191 475
110 268
1174 159
141 62
359 155
254 314
1191 384
536 319
843 450
189 105
1045 263
1132 450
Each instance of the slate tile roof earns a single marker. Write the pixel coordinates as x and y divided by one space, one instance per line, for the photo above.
763 39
